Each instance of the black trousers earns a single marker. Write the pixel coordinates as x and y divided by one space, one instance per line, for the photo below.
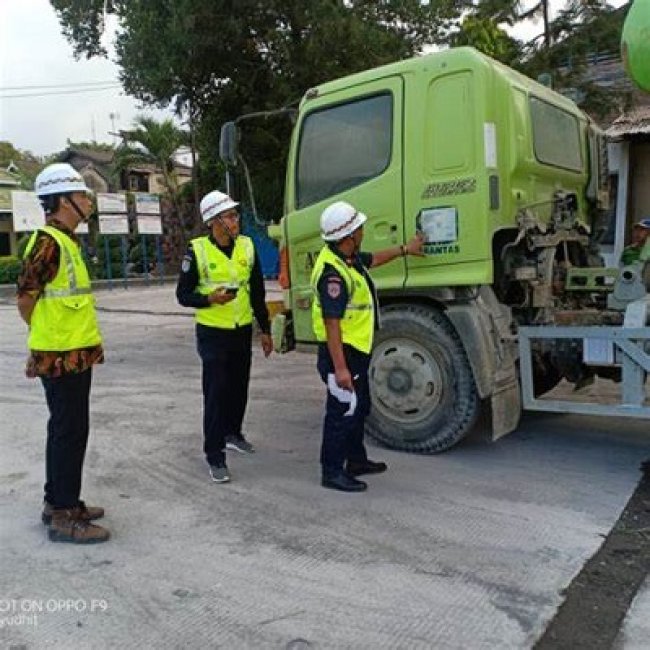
67 436
226 362
343 434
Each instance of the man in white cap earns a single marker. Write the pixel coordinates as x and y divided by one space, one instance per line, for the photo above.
221 278
635 251
54 298
345 316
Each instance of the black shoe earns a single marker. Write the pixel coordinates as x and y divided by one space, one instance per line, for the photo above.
219 473
367 467
240 444
344 483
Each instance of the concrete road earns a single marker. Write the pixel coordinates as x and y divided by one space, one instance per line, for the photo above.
469 549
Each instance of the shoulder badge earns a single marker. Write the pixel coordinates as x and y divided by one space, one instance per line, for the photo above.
333 287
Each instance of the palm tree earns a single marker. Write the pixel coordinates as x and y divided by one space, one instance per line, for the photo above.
154 143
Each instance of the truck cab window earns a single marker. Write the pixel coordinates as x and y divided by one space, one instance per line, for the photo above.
343 146
556 136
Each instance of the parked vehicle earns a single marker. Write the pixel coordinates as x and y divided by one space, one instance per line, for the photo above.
506 179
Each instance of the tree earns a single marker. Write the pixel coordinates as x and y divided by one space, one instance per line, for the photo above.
220 58
155 143
25 164
581 30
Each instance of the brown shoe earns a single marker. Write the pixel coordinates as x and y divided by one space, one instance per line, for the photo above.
70 526
88 513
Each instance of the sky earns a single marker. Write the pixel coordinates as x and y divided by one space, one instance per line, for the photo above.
34 53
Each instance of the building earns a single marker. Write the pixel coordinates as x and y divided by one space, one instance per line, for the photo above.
629 155
8 182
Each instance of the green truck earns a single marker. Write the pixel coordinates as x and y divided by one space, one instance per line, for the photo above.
506 179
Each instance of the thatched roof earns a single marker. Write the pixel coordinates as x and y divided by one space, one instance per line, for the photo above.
635 122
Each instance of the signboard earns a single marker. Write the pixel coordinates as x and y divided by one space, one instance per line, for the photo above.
149 224
440 225
111 203
147 204
27 211
113 224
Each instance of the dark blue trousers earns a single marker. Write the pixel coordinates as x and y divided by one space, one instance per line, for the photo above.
226 361
343 434
68 399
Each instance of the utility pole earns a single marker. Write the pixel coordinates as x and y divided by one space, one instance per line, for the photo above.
112 117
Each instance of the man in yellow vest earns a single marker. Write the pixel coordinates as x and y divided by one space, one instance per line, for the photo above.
55 300
221 278
345 316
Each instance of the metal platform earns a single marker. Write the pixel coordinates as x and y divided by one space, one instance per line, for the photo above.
621 346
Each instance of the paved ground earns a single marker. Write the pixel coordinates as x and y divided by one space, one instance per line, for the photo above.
470 549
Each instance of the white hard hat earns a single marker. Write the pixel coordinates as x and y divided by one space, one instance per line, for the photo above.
340 220
215 203
59 178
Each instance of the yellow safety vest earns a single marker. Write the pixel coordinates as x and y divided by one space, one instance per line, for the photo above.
217 270
358 322
64 316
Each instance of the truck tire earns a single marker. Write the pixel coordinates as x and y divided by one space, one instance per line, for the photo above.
424 399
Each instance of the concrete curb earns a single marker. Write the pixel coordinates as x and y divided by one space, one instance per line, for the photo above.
9 290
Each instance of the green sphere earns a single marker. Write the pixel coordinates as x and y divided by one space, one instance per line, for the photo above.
635 44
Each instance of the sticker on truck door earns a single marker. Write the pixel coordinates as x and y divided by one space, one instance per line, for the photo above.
440 229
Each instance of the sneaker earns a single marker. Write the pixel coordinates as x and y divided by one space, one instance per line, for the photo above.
219 473
69 526
87 513
240 444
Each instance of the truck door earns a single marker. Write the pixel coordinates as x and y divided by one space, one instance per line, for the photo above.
347 147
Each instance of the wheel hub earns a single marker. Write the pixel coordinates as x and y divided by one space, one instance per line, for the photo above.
399 381
406 380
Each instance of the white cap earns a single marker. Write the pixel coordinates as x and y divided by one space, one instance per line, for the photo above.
215 203
58 179
644 223
340 220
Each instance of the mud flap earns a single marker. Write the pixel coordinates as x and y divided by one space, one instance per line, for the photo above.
484 327
505 404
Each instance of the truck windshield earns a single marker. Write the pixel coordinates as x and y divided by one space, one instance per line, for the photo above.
342 146
556 136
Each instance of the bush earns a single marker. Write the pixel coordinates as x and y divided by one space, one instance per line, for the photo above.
115 257
136 257
9 269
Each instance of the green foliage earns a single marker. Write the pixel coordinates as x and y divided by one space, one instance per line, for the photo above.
152 142
582 29
136 257
215 60
114 255
218 59
487 37
28 165
10 266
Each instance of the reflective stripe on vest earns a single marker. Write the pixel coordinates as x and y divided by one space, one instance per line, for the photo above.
64 315
218 271
358 322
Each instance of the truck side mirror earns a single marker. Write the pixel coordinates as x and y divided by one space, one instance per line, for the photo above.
228 143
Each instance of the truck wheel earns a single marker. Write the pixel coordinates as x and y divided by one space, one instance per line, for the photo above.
424 399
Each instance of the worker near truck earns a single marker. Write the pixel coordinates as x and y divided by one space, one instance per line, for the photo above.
221 278
632 254
54 298
345 315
